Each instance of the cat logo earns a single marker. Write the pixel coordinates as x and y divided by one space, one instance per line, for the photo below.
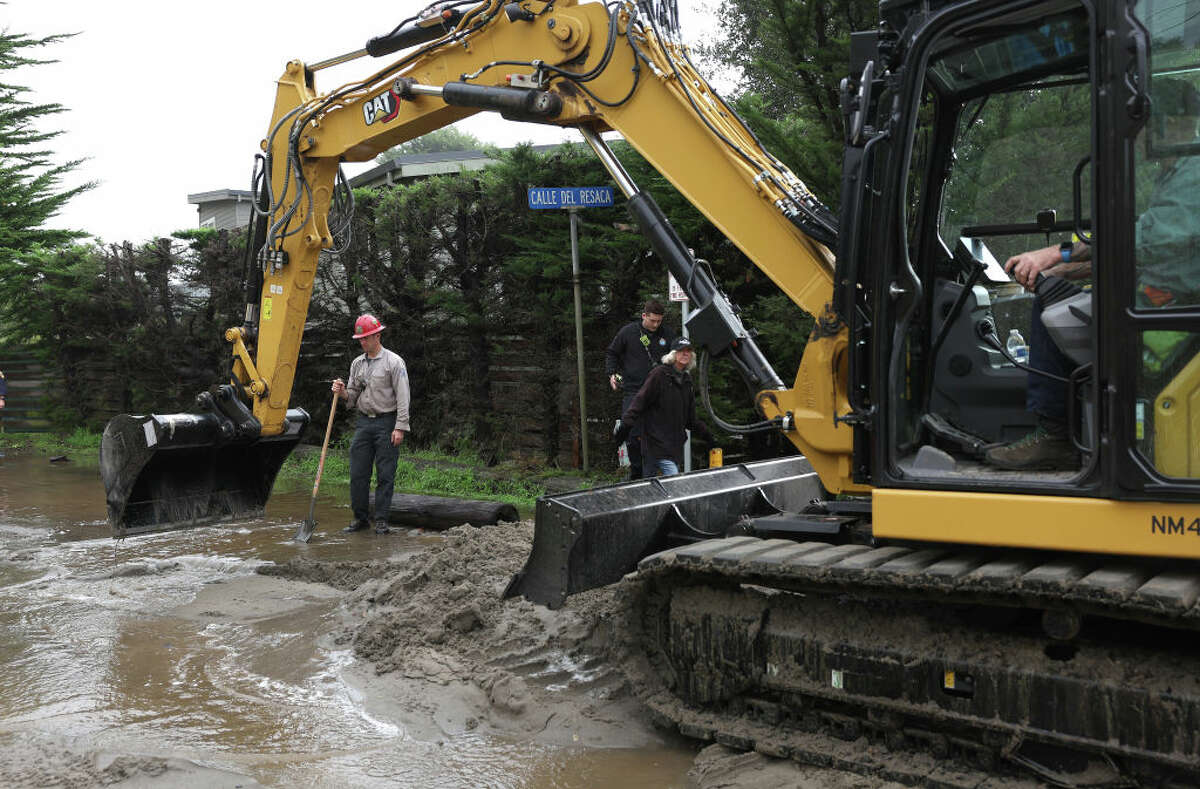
383 108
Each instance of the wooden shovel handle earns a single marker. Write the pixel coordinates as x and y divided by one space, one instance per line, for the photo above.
325 445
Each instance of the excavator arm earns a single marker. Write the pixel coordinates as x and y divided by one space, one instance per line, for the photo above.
595 68
583 66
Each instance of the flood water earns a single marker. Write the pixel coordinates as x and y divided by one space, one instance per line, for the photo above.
103 650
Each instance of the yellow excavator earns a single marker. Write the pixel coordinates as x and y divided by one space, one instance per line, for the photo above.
890 580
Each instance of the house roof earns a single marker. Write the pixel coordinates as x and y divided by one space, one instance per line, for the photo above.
411 165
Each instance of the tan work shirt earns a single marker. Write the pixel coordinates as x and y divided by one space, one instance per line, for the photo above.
379 386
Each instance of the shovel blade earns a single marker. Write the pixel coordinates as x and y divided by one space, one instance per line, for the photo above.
305 532
177 471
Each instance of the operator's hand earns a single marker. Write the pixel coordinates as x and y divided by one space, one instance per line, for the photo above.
397 437
339 387
1025 267
1 401
612 381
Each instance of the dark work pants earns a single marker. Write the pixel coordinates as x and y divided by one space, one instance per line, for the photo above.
372 444
1045 397
633 444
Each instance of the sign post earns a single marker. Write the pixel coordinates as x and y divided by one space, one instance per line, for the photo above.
574 198
677 293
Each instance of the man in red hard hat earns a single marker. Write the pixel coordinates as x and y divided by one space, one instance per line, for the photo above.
378 388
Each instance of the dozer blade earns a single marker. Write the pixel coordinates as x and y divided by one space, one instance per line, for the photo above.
176 471
591 538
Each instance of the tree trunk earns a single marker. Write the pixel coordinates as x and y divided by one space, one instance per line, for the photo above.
439 512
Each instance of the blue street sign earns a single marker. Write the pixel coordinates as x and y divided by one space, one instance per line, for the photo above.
570 196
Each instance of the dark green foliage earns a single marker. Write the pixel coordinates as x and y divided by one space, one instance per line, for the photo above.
30 180
128 328
447 139
791 56
475 289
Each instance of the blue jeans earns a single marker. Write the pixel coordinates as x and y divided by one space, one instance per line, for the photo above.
1043 396
372 445
666 467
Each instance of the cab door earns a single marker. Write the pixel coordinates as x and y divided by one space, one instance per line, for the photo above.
998 112
1152 289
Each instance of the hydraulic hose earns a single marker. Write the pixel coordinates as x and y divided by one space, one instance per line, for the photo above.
765 426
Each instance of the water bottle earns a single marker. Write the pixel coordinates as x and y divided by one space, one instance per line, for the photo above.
1017 348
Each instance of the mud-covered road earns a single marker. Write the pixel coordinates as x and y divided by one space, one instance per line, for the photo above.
171 660
232 656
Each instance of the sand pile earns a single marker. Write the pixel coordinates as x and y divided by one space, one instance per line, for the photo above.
447 600
444 646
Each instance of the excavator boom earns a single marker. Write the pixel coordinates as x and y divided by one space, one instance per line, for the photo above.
579 65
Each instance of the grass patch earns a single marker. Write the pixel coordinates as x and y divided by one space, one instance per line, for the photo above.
434 473
83 445
424 471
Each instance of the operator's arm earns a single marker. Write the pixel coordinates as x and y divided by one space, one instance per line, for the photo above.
1025 267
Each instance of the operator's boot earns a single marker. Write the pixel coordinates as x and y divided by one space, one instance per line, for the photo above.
1048 448
355 525
381 527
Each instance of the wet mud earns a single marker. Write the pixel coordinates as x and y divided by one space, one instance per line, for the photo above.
232 656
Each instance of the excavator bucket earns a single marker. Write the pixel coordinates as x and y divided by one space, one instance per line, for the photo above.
592 538
177 471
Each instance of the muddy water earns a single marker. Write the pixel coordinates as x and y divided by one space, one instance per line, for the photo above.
139 648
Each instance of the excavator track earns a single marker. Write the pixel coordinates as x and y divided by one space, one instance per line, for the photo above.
768 644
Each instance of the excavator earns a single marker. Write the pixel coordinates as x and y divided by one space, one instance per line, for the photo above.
885 582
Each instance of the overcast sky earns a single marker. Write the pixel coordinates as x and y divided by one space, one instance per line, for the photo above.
168 99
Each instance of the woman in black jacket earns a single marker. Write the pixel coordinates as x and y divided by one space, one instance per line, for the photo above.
666 405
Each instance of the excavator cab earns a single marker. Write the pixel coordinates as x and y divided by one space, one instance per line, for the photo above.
1014 140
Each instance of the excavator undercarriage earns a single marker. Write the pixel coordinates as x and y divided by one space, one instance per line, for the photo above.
1066 667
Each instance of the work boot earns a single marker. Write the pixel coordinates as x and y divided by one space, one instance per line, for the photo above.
1045 449
381 527
355 526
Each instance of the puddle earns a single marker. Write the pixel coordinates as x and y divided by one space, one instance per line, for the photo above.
170 648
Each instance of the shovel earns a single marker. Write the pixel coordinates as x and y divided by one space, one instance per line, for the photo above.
305 533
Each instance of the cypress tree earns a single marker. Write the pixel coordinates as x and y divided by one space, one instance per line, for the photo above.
30 181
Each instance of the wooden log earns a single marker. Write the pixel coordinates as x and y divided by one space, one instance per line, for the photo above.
440 512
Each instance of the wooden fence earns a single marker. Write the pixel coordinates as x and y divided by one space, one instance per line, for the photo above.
27 384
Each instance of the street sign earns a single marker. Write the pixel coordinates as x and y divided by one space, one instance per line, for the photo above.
570 196
676 291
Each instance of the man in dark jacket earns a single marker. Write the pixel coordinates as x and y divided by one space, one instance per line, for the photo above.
666 407
633 352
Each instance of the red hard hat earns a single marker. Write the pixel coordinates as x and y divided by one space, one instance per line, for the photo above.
366 325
